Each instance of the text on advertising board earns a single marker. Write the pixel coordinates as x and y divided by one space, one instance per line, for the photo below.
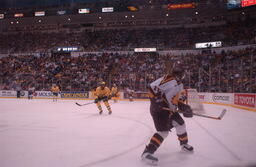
245 100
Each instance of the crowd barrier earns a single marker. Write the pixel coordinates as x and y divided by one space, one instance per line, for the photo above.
239 100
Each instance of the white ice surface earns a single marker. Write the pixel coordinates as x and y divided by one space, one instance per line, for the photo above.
42 133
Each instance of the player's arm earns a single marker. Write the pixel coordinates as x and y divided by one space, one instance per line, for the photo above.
107 94
96 93
184 108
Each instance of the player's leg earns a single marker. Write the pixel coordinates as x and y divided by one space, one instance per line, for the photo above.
30 95
180 126
108 106
161 122
155 142
130 98
56 97
99 107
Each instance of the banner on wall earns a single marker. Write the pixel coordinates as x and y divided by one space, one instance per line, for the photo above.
74 94
8 93
247 100
44 94
226 98
221 98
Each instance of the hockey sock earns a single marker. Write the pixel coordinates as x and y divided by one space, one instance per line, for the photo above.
99 107
183 138
155 142
108 107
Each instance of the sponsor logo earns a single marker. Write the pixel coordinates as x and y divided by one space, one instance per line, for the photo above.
6 93
137 95
217 98
74 95
245 100
43 94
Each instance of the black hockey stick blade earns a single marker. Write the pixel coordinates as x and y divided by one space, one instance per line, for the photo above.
84 104
78 104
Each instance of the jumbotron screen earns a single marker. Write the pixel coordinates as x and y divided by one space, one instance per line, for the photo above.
233 4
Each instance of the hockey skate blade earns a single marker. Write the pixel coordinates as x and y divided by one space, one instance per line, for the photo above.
149 162
183 150
149 159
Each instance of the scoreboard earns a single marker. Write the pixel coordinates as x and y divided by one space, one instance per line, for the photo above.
233 4
245 3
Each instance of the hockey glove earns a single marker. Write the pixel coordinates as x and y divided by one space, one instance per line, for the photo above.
99 99
105 98
96 100
185 109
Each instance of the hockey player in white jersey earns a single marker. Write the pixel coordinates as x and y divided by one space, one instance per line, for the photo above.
164 93
31 91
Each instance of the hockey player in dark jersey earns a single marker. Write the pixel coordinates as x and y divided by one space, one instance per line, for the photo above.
164 93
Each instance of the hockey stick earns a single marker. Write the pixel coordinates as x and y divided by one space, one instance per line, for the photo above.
85 103
205 116
109 97
217 118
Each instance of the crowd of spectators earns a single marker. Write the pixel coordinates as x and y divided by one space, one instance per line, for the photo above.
230 71
128 39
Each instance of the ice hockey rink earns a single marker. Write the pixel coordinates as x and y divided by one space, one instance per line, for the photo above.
43 133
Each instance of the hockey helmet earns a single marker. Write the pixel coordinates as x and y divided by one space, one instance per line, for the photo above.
178 73
102 83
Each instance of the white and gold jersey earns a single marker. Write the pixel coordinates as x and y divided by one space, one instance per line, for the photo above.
169 89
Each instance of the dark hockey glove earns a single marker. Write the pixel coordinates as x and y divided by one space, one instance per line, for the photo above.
96 100
99 99
105 98
185 109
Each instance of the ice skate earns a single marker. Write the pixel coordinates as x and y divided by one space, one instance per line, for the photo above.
187 148
149 159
